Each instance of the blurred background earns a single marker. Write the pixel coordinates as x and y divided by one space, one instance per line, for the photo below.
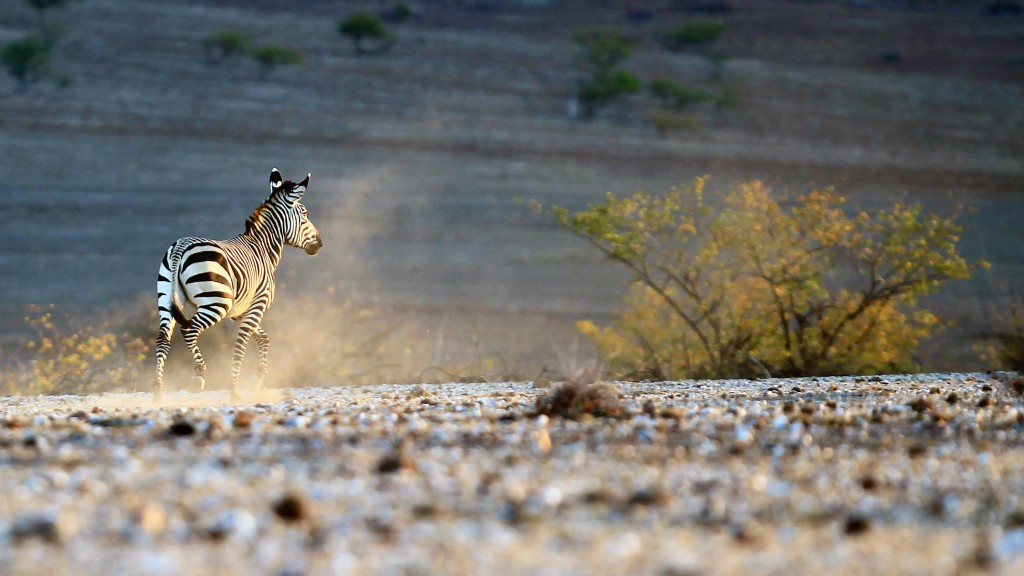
427 128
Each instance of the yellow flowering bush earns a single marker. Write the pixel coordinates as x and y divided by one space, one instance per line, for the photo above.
66 357
750 285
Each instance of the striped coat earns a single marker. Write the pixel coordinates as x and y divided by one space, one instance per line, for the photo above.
203 281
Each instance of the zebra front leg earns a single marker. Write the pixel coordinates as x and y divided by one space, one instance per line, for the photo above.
263 345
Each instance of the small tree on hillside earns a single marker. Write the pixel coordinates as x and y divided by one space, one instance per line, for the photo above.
27 60
674 95
43 6
674 98
367 32
755 285
225 44
399 13
602 52
692 34
696 36
272 55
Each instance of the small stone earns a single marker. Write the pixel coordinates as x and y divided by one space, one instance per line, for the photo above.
868 483
50 525
922 404
742 436
182 428
292 508
543 440
654 496
542 382
151 518
236 523
243 419
396 460
856 524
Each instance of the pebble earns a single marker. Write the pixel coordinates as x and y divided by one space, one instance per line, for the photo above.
469 478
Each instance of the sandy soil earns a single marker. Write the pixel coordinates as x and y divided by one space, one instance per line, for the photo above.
885 475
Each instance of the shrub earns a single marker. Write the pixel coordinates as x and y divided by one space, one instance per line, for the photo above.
575 399
1010 345
1001 342
367 32
601 52
399 13
674 95
27 60
667 121
692 34
225 43
730 95
42 6
67 357
273 55
599 91
753 284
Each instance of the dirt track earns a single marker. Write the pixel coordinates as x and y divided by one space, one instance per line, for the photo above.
892 475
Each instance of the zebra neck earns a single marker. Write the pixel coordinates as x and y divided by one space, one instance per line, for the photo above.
268 244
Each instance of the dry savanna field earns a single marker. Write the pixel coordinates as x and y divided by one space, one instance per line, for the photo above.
411 425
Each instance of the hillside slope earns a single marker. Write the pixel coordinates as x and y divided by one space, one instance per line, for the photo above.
419 155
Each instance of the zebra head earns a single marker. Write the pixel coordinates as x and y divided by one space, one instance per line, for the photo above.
298 230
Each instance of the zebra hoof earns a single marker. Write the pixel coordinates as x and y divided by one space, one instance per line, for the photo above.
200 382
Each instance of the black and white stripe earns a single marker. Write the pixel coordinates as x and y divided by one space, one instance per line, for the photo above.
203 281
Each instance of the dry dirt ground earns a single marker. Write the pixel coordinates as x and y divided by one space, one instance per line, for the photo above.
886 475
418 155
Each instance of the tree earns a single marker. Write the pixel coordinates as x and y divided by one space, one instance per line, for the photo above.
754 285
696 35
399 13
42 6
224 44
692 34
274 55
27 60
601 51
367 32
674 95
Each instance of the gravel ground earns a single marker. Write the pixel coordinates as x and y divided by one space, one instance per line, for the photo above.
885 475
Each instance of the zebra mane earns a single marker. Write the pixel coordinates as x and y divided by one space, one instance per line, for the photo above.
256 219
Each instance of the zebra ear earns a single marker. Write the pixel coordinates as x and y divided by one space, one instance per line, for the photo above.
301 186
275 179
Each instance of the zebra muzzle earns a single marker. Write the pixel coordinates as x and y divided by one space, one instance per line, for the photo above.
313 247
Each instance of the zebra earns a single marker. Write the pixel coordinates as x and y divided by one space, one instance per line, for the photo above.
217 279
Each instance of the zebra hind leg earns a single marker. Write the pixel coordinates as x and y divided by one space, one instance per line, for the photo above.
163 347
190 331
247 326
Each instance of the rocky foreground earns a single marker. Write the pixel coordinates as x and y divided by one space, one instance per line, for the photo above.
915 474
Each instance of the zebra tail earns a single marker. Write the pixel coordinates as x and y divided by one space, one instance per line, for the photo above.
178 314
171 262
